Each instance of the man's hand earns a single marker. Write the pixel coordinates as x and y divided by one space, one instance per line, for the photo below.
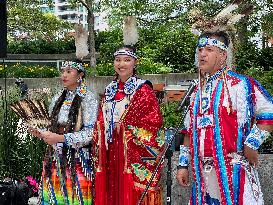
251 155
182 177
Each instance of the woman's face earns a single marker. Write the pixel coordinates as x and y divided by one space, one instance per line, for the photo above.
69 77
124 66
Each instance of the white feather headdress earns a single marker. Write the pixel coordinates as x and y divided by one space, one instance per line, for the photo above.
81 37
223 21
130 34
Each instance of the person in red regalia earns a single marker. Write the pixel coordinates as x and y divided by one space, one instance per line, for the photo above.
230 116
127 140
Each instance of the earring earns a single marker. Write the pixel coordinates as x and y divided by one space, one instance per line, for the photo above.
79 80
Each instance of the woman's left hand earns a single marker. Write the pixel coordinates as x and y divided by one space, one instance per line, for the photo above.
52 138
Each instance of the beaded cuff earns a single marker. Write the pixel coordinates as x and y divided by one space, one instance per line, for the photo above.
256 137
184 156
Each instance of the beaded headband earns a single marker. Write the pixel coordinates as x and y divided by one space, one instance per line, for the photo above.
72 64
204 41
125 52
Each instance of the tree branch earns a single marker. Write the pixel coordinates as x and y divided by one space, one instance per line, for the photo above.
162 20
85 5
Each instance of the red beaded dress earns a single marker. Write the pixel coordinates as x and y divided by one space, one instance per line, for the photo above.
127 158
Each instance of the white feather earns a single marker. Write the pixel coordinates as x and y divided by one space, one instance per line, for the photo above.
130 34
235 19
226 11
81 37
195 31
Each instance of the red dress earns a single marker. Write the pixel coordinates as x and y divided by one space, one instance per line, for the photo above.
128 158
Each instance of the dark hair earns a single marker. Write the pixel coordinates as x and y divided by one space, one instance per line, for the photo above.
74 111
221 35
78 61
130 47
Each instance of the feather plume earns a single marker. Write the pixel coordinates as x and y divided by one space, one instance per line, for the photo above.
33 112
247 10
237 2
81 37
235 18
130 34
227 10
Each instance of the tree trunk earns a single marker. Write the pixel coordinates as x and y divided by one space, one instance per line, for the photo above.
242 32
91 21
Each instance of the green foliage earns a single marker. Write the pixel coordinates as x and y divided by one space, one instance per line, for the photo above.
246 56
147 12
20 154
264 77
148 66
106 44
265 58
171 117
42 46
177 48
29 18
28 71
105 68
267 20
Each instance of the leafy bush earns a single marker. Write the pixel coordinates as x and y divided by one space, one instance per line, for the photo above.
28 71
177 48
106 44
105 68
246 56
171 117
265 58
264 77
42 46
148 66
20 154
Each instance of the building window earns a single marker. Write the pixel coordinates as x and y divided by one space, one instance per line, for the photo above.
64 17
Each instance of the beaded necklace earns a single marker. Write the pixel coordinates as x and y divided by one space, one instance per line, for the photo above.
206 93
80 90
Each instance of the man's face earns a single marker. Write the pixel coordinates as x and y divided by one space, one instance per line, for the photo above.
211 59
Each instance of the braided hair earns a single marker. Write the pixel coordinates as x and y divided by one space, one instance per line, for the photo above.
68 153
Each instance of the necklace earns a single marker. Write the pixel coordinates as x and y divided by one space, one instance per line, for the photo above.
206 93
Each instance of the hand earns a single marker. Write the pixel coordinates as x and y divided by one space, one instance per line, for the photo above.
251 155
52 138
182 177
35 132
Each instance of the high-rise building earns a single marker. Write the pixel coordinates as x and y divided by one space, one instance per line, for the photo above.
63 10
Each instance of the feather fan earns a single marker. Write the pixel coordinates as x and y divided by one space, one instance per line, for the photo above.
33 112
